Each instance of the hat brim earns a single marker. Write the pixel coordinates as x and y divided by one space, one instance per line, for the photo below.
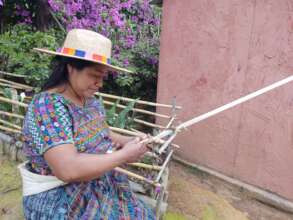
111 67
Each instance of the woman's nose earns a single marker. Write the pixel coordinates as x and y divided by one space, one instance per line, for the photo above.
99 83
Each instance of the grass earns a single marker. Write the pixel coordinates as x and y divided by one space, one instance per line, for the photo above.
173 216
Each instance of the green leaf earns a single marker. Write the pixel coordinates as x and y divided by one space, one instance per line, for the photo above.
7 93
110 114
122 117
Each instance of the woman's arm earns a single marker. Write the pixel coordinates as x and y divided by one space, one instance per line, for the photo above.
70 166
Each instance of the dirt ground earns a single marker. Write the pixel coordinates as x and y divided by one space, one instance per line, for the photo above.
198 196
192 195
10 191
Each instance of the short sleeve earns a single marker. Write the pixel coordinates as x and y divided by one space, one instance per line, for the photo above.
101 109
53 122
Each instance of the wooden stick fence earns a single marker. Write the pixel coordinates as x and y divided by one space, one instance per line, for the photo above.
137 110
12 74
10 129
13 102
10 86
149 124
11 114
17 84
10 124
106 102
137 101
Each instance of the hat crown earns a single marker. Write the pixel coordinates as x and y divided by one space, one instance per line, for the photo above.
88 41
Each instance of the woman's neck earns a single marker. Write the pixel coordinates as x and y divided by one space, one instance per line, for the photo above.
68 92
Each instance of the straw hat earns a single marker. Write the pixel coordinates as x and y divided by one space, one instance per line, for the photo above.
86 45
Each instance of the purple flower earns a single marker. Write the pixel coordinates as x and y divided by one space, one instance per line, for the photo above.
130 41
158 189
114 74
116 49
134 19
126 62
127 5
1 3
153 61
28 20
55 7
24 13
117 18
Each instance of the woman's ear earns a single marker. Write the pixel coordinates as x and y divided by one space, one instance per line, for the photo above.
69 69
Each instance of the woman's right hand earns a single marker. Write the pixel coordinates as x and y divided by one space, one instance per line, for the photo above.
134 149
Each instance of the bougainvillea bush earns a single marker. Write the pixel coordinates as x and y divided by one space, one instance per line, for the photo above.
132 25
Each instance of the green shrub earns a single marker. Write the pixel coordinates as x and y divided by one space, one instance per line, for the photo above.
17 56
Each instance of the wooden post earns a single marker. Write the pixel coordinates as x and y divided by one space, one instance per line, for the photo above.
15 108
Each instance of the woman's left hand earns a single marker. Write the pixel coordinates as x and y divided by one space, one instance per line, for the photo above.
142 136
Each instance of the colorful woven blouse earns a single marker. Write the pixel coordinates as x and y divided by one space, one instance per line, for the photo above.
52 120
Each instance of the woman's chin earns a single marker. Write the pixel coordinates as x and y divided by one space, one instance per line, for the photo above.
91 92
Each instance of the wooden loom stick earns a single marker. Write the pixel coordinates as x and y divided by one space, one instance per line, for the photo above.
170 122
167 143
164 166
128 173
146 166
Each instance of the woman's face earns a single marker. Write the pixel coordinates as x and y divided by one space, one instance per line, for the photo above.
87 81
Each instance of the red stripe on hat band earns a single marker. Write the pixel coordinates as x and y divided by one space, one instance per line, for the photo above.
97 57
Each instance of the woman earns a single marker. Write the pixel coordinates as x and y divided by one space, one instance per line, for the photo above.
69 174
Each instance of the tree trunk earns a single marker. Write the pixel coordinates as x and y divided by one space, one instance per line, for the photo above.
42 15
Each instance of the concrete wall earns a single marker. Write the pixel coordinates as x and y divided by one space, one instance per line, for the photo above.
215 51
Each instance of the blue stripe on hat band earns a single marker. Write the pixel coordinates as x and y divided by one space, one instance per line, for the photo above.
79 53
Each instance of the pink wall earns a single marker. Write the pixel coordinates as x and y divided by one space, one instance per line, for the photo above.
215 51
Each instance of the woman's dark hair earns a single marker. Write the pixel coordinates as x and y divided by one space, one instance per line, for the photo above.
59 73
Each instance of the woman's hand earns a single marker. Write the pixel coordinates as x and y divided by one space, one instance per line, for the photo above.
142 136
134 150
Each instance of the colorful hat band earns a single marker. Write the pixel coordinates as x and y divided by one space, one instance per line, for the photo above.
84 54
